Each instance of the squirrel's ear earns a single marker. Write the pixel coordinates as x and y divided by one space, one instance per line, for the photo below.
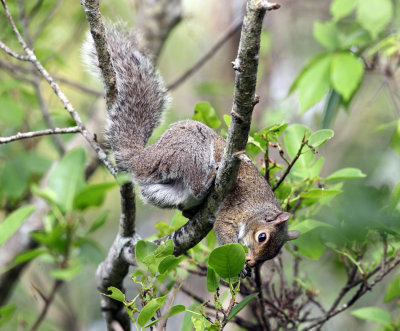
293 234
279 218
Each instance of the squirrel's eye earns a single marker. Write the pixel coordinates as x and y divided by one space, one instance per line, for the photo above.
261 237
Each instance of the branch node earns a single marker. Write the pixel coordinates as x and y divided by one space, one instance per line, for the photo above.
256 99
237 116
236 65
271 6
240 155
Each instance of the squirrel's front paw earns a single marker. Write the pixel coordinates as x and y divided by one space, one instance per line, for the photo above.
246 271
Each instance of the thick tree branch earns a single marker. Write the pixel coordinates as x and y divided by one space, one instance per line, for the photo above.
113 270
245 66
97 31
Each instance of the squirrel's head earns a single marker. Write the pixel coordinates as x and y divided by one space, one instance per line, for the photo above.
265 236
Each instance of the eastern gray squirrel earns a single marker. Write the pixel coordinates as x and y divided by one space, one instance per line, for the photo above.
179 169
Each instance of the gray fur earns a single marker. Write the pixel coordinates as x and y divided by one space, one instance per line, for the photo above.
179 169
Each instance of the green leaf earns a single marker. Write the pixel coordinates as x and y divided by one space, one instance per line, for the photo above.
13 221
320 137
346 74
98 222
149 310
144 248
314 81
54 238
211 239
177 220
309 225
12 113
212 280
342 8
331 108
283 191
34 162
374 15
205 113
227 260
373 314
92 195
237 308
6 313
67 178
29 255
68 273
199 324
45 193
310 245
395 140
293 137
174 310
395 197
327 34
227 120
393 289
14 179
116 294
318 193
144 252
169 263
164 249
345 173
316 168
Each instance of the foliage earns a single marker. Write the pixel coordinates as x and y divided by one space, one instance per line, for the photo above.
349 41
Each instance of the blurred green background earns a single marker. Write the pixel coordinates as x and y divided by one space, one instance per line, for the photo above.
365 134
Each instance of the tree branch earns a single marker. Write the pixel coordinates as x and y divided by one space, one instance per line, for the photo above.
97 31
303 143
155 21
25 135
90 138
232 29
6 49
245 66
47 303
360 292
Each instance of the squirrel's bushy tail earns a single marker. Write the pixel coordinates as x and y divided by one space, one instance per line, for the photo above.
142 97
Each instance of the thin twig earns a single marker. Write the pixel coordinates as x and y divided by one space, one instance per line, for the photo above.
360 292
303 143
260 298
25 135
14 70
6 49
162 324
232 29
46 115
47 304
90 138
266 163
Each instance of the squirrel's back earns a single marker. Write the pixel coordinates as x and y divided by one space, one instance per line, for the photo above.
142 97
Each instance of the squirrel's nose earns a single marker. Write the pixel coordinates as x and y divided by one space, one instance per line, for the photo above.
250 262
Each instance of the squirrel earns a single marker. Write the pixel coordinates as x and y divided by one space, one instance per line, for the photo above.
179 169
